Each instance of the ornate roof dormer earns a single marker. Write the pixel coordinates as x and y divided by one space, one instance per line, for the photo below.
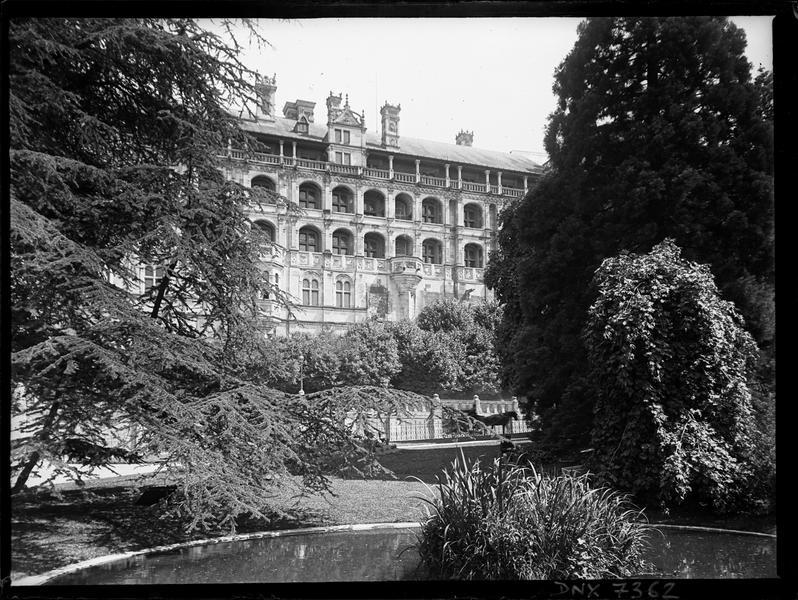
343 116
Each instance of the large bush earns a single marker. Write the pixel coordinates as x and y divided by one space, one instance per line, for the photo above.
468 332
507 522
369 354
450 349
670 371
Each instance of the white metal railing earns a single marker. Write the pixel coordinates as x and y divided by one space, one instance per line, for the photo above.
428 424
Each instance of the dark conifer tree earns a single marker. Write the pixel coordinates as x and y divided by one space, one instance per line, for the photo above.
116 131
659 132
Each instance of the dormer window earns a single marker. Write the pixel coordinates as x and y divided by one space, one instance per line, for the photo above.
342 136
301 125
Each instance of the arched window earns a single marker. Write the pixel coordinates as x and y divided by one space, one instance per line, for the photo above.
431 251
152 277
403 246
342 242
309 196
473 255
267 229
373 204
264 182
310 291
403 205
343 293
342 200
374 245
309 240
431 210
472 216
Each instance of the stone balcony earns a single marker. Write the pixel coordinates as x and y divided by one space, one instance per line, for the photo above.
406 272
371 173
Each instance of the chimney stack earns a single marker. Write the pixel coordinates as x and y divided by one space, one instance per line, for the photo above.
295 110
390 124
265 88
464 138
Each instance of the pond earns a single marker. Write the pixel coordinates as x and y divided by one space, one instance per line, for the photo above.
389 554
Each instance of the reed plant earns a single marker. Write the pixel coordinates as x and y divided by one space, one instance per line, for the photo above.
511 522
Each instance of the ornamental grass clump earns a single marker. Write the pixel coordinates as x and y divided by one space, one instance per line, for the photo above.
510 522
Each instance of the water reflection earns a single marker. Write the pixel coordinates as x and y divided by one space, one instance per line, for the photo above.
389 555
688 554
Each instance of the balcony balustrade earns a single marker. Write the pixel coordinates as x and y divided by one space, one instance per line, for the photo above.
433 181
473 187
470 273
316 165
404 177
354 170
376 173
405 264
345 169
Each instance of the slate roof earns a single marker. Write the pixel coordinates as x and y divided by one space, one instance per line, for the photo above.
414 147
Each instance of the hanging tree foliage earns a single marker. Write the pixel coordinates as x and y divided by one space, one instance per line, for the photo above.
115 130
670 366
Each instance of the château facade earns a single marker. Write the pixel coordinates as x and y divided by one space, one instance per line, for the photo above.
388 224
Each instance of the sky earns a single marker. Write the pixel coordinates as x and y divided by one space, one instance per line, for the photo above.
492 76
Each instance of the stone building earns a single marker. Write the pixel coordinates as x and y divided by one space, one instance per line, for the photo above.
390 223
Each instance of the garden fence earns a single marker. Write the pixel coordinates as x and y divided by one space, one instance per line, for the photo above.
433 423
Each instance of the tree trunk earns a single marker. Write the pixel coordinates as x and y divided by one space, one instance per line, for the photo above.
22 478
164 283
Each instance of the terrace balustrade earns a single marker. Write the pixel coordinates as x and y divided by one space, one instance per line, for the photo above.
358 171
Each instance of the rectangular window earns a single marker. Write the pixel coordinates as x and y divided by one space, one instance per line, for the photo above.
337 136
347 158
307 241
314 292
152 277
339 158
307 199
346 137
